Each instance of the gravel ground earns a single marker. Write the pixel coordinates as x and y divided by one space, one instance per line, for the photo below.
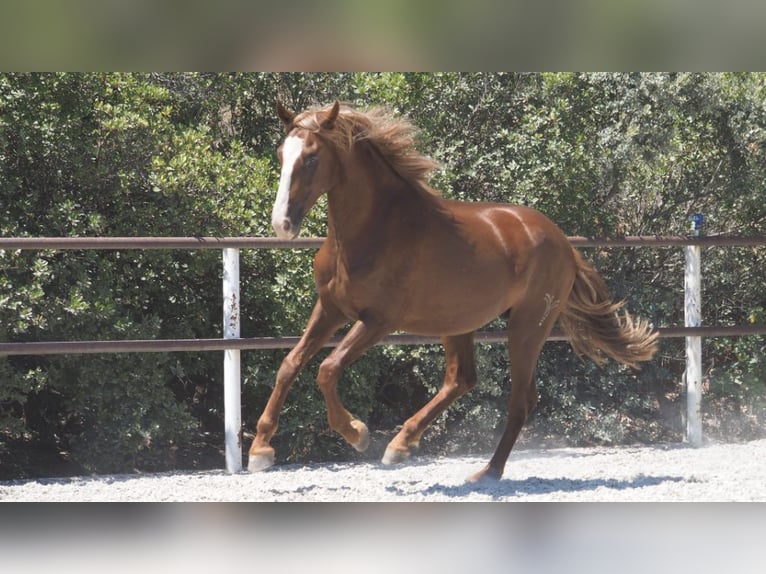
716 472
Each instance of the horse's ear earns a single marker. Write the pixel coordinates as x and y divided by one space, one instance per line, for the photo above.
286 115
328 121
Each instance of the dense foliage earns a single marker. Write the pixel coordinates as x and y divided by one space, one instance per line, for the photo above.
194 154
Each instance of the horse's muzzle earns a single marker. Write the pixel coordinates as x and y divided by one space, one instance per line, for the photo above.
286 229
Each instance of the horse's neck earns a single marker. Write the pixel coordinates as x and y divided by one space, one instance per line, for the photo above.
366 198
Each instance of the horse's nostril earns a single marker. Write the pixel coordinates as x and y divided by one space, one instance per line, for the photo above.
285 228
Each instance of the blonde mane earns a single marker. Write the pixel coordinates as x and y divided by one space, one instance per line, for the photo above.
394 138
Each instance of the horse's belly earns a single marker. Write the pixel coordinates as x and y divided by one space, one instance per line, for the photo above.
445 326
452 311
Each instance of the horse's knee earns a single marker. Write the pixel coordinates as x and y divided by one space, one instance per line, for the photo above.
288 369
328 374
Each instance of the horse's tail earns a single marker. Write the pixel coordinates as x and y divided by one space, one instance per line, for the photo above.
595 328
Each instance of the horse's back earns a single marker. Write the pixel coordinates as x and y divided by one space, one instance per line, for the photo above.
517 229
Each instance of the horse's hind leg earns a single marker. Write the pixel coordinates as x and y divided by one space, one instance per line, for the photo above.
526 336
459 379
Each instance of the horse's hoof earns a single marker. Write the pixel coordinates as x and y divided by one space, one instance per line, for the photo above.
485 475
364 436
395 456
259 462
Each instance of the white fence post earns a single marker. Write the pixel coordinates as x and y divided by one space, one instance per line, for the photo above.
231 365
693 318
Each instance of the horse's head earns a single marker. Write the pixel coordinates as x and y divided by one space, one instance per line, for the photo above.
309 168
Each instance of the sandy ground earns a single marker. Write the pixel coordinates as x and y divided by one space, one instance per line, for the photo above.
716 472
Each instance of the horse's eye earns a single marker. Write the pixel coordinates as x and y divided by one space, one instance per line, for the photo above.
310 161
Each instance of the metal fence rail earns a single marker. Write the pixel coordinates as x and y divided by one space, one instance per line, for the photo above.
270 343
117 243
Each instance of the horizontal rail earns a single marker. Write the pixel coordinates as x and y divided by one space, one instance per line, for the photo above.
106 243
269 343
115 243
669 241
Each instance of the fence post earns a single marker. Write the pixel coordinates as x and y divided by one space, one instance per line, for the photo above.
231 364
693 318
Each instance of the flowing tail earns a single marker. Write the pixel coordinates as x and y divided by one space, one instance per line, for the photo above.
595 328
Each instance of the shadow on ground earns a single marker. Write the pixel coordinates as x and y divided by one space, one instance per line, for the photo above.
534 486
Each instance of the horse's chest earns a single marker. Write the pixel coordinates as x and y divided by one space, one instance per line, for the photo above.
353 290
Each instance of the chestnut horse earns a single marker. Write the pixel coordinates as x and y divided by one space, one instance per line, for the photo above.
398 257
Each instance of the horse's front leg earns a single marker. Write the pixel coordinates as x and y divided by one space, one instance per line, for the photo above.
325 320
361 337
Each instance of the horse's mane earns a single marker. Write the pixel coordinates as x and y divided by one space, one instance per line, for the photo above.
393 137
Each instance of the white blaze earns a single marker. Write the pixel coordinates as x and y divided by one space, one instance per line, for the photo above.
291 151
